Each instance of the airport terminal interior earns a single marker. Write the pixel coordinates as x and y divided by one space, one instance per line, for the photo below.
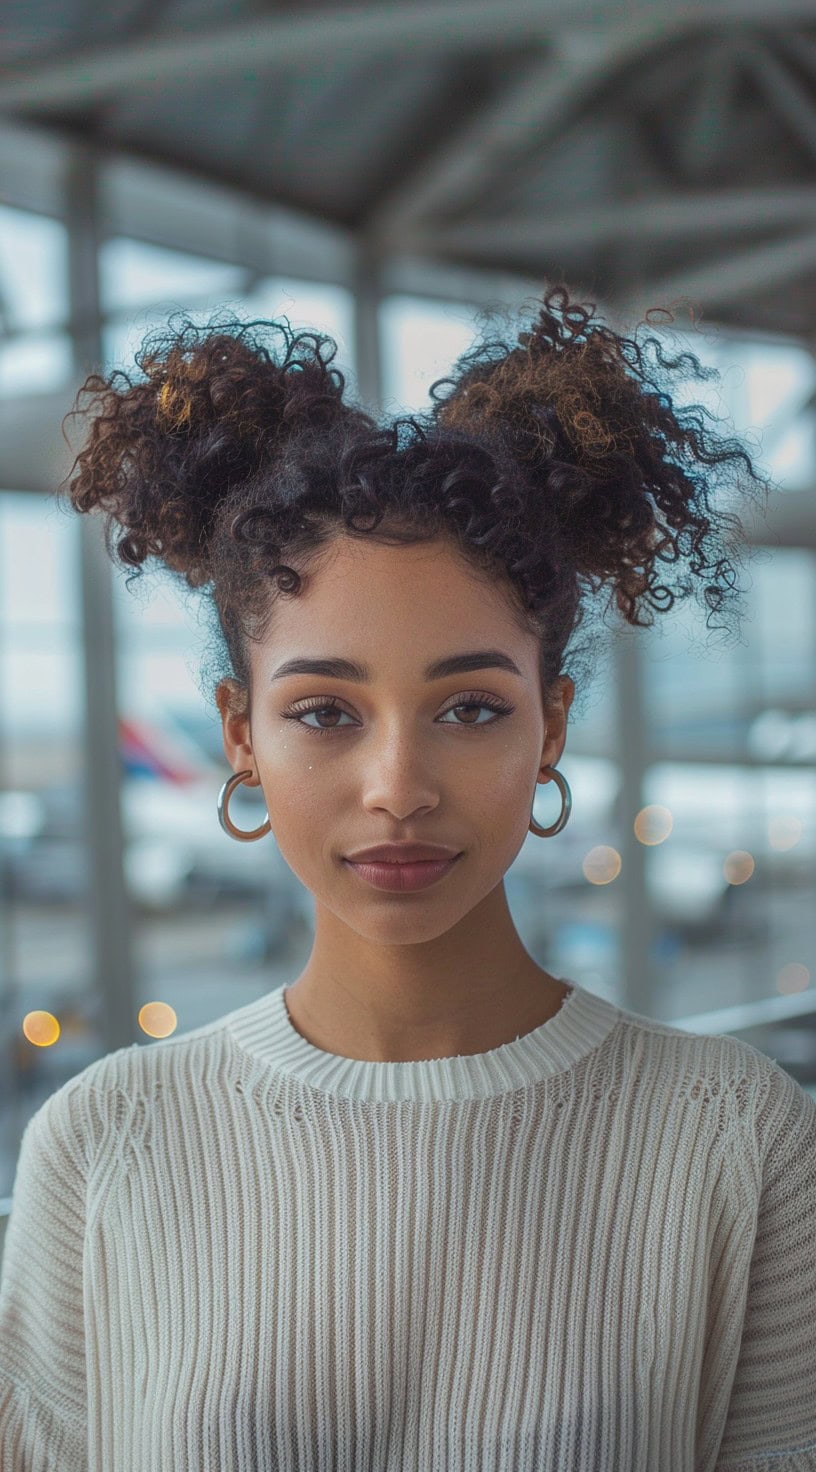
183 158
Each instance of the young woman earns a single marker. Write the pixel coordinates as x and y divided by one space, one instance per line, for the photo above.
428 1206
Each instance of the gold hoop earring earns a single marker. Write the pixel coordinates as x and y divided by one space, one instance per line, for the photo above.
223 811
566 807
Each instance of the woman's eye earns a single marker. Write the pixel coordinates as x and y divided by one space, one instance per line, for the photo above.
497 709
319 710
474 705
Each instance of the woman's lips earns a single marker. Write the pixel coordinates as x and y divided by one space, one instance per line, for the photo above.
399 878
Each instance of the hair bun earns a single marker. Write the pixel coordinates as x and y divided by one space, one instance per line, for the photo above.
215 403
619 471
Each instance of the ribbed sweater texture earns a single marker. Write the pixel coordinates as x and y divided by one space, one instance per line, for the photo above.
592 1249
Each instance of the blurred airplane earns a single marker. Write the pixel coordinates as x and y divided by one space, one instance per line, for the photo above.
174 844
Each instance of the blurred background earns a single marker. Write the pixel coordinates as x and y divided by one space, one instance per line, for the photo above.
381 172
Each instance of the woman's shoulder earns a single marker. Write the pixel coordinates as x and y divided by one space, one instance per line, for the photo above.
720 1057
122 1082
749 1096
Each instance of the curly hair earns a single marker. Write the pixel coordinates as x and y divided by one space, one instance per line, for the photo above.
550 465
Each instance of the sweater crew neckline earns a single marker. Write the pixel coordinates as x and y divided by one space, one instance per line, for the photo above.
265 1030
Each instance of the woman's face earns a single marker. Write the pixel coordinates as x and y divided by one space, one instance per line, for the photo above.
452 760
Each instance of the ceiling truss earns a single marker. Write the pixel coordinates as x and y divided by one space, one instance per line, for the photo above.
676 98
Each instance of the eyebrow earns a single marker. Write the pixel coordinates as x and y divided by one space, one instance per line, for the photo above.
335 668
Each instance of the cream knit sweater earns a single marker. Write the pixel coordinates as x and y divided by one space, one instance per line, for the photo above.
592 1249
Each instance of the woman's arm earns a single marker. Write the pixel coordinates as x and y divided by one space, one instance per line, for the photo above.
43 1415
771 1424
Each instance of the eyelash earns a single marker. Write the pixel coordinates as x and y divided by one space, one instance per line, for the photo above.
500 708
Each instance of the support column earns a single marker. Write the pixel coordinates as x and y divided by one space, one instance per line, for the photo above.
108 899
367 298
637 949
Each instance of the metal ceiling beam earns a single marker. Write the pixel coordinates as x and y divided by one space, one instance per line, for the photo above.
799 47
438 280
670 72
186 211
34 456
658 216
731 276
280 40
482 25
524 115
789 99
531 112
700 142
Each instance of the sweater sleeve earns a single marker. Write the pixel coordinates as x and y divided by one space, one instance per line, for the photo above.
43 1418
771 1421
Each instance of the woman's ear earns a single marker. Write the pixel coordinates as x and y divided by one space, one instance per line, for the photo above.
556 715
233 707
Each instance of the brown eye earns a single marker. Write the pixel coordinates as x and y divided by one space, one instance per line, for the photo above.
498 707
476 705
316 707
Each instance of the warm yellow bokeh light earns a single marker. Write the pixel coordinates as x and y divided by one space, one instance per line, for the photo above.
793 979
784 832
602 864
157 1019
738 866
653 823
41 1028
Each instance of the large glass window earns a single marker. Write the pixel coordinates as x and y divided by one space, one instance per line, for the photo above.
35 349
213 914
320 307
420 341
736 729
43 858
142 284
731 731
